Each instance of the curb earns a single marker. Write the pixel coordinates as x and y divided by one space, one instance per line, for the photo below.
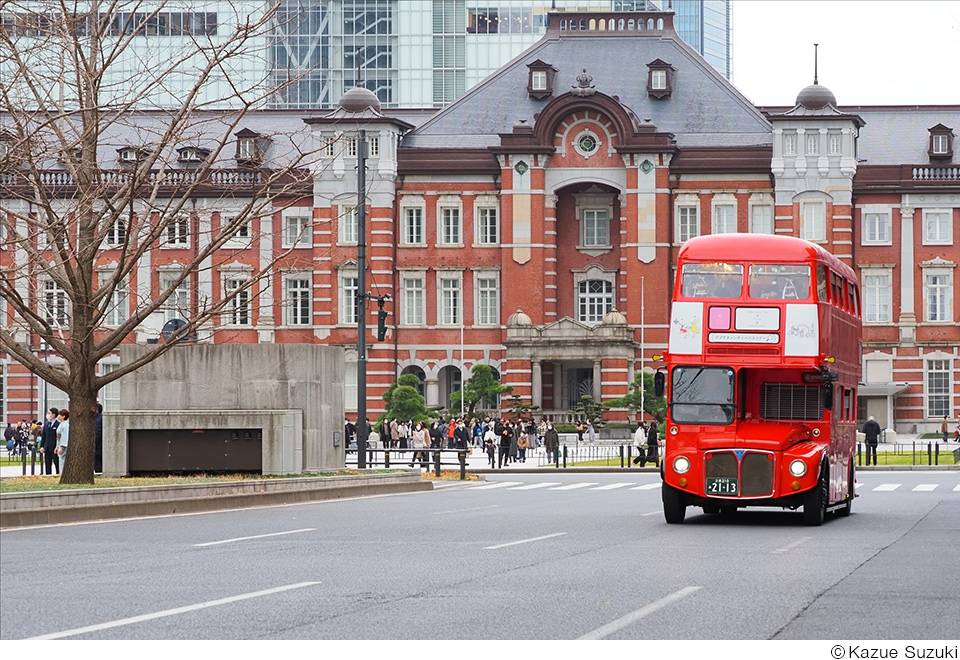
58 507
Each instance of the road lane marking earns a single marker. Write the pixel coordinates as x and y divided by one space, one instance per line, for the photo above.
926 487
614 486
476 508
499 484
956 488
575 486
647 487
791 546
887 487
248 538
532 486
633 617
177 610
652 513
538 538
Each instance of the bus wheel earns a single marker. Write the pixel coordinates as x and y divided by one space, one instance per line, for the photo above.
674 505
845 511
815 502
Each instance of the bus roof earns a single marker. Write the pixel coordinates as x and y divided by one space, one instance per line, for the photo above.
759 248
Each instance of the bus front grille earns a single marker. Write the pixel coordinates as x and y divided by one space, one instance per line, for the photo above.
756 475
720 464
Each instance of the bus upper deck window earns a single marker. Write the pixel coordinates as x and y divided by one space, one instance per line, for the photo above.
717 280
779 282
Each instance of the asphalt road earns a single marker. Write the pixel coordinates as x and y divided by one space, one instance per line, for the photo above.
542 556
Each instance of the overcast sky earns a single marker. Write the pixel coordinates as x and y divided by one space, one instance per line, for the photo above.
871 53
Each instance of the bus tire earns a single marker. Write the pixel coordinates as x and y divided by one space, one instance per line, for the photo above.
851 493
815 502
674 505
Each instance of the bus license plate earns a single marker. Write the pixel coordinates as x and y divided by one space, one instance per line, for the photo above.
722 485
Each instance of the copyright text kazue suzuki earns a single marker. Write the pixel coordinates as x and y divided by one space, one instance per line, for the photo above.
894 651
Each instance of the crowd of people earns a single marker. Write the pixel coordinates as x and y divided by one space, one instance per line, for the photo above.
51 438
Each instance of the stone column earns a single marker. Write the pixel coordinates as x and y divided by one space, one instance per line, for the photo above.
433 391
537 384
908 316
597 380
558 385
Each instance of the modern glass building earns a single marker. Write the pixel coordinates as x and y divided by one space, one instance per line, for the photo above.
428 53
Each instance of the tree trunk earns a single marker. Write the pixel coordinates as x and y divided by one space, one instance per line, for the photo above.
79 464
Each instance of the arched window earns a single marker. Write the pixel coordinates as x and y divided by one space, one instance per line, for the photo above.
594 300
419 373
450 381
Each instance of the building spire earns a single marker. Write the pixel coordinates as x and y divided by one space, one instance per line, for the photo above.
815 64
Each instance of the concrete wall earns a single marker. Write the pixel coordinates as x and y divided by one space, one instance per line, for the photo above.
282 443
246 377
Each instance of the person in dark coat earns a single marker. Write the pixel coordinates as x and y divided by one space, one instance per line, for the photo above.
48 442
653 452
551 440
871 431
506 439
350 431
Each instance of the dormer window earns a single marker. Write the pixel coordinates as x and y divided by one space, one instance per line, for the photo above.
251 147
130 155
192 154
660 79
540 80
941 143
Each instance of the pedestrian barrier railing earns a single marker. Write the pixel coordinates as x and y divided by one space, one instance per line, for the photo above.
431 459
915 453
625 456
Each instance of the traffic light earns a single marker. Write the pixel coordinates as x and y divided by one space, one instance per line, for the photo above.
381 324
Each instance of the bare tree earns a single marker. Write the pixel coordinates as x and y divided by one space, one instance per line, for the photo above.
116 117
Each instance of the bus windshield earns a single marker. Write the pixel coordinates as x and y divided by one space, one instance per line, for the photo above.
702 395
717 280
779 282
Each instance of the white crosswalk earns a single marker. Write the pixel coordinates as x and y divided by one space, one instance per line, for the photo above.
633 485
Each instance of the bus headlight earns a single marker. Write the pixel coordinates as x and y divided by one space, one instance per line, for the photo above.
681 465
798 468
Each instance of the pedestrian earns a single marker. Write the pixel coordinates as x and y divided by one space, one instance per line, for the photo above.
956 432
490 445
48 442
551 439
394 433
436 435
461 436
476 433
653 447
97 411
579 432
591 433
514 439
506 439
640 439
945 428
385 436
63 436
8 437
522 445
419 441
349 431
871 432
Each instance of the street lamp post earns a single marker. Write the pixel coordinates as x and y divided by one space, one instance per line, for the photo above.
361 300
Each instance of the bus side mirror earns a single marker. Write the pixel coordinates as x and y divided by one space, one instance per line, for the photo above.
828 396
659 384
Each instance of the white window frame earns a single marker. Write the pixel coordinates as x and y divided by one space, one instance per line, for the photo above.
876 295
348 227
57 313
177 304
412 216
876 226
937 294
110 393
725 206
177 233
687 227
486 286
413 288
301 235
117 311
834 143
790 143
768 221
812 143
117 234
595 227
538 81
350 385
813 221
247 148
487 224
449 298
348 281
658 79
587 301
238 312
449 225
941 144
373 146
937 390
297 290
242 237
944 226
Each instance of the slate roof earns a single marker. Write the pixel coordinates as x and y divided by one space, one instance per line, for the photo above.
704 109
900 135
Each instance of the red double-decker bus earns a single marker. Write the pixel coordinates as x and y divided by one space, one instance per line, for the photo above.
762 372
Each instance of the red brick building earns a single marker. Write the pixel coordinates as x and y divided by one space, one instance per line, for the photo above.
533 225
